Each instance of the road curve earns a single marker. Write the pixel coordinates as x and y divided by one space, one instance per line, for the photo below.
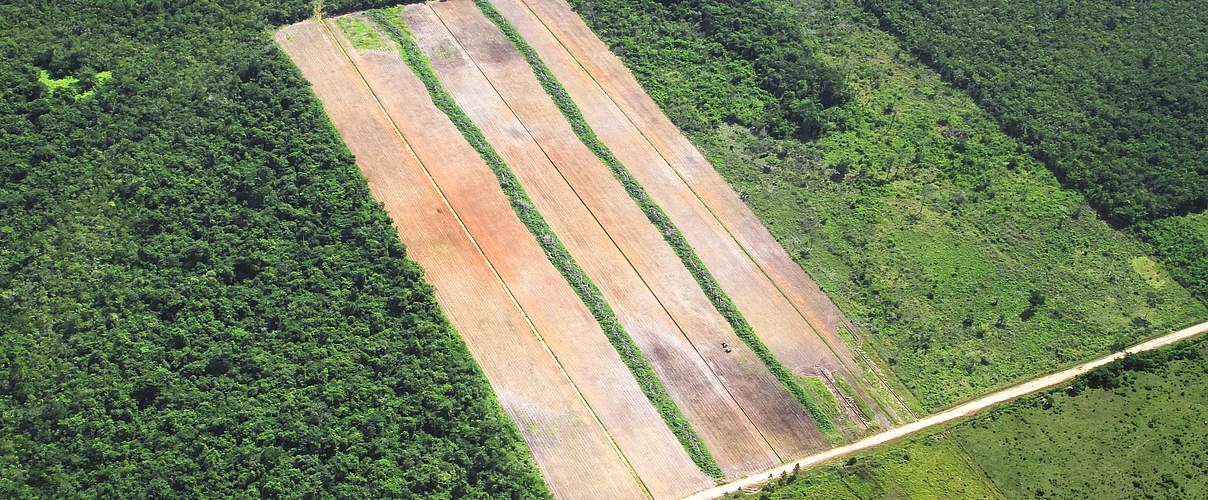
954 413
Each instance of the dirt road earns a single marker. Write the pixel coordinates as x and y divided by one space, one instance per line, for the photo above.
955 413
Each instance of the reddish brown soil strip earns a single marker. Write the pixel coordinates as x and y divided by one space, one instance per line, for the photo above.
759 395
771 315
565 323
732 439
612 76
568 443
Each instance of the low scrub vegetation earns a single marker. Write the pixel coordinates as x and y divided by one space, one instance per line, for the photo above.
1129 429
1109 94
965 262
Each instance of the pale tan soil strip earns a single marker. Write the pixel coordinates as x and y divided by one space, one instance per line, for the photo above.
771 315
564 322
779 418
738 219
955 413
568 443
763 399
540 163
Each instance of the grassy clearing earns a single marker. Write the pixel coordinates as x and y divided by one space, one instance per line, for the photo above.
79 88
391 21
360 33
928 467
1132 430
960 256
670 233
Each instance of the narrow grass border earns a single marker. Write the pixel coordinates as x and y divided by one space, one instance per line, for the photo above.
670 232
556 252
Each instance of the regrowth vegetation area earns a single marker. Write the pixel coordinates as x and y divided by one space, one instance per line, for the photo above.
1111 96
198 295
1130 429
959 252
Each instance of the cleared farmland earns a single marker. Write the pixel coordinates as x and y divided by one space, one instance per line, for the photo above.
571 50
568 443
565 323
639 275
773 317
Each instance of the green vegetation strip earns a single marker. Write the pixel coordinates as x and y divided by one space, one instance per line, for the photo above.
557 253
660 220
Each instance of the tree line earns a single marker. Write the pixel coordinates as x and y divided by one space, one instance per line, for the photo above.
198 294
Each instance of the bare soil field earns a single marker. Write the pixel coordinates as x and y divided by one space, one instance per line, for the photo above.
740 222
653 295
773 317
563 321
569 444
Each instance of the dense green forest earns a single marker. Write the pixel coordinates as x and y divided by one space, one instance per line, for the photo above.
1112 96
198 295
965 262
762 72
1130 429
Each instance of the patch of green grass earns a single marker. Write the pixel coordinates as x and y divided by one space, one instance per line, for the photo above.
360 34
74 85
821 395
1130 429
1151 270
1134 429
1182 245
391 21
928 467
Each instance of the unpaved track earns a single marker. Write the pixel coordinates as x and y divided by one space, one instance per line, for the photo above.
955 413
771 315
569 445
540 148
695 170
565 323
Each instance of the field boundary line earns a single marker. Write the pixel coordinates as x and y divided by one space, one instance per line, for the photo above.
961 411
627 258
491 265
763 270
671 233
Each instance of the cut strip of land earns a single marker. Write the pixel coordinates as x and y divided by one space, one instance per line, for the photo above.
720 396
564 322
569 444
739 221
772 316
